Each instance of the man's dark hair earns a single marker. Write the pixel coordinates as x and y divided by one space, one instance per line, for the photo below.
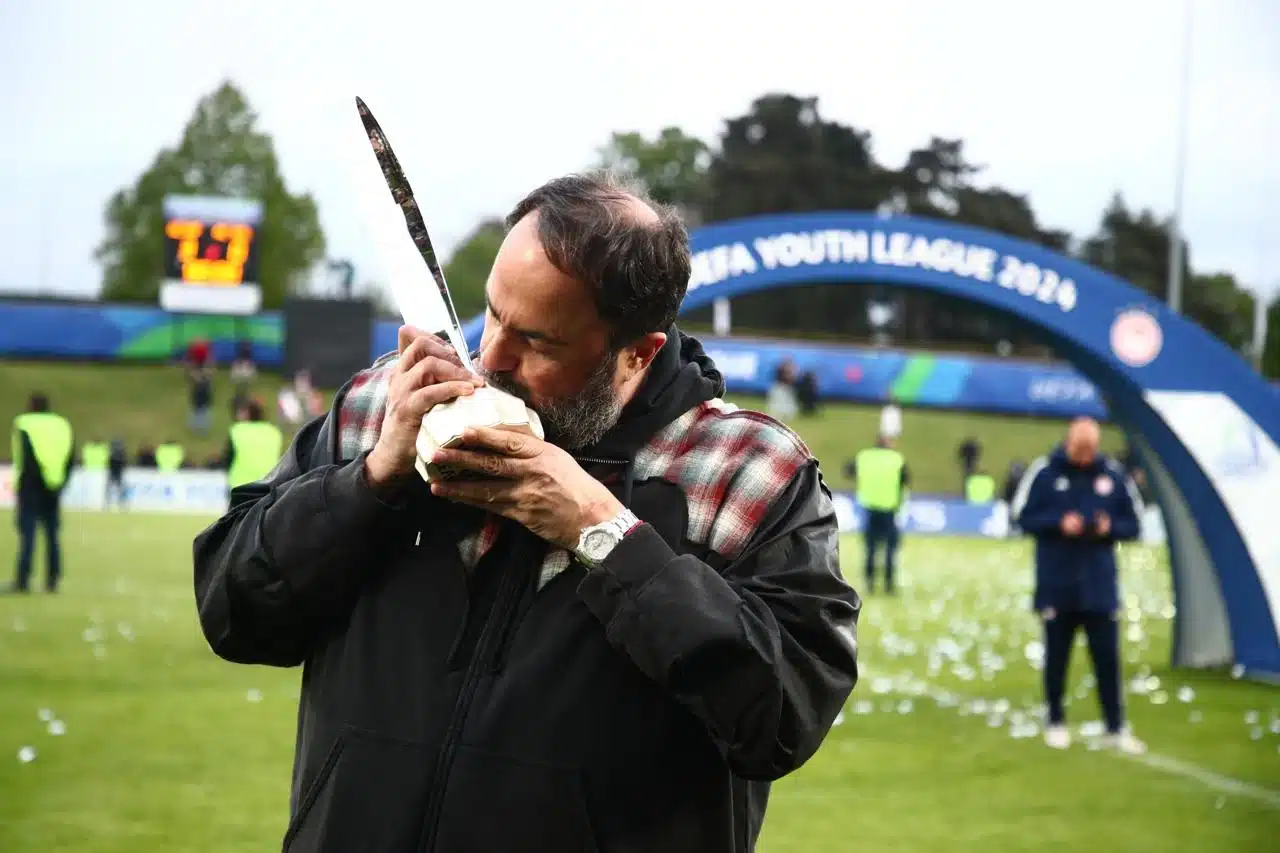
591 231
38 403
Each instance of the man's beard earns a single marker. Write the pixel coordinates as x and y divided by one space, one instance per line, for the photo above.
577 421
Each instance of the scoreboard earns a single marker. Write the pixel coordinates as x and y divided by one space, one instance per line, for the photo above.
211 255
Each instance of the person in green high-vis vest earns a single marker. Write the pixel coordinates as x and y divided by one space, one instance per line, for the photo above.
169 456
94 455
881 476
980 488
253 446
43 453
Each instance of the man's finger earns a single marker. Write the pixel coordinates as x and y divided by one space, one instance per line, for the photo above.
406 335
489 464
432 371
424 346
503 441
423 399
493 495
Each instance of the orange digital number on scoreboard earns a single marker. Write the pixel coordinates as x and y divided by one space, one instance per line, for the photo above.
223 260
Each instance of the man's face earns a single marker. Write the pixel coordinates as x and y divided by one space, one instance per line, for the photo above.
1082 443
544 342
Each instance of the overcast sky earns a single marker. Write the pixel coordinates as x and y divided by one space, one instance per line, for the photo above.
1068 102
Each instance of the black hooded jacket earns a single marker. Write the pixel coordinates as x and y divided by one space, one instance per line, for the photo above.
642 706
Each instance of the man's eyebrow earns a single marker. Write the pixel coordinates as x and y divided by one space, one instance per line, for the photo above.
531 334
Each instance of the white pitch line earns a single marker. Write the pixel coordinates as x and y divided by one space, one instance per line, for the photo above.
1217 781
1177 767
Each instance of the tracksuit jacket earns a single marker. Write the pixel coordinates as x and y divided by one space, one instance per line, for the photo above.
1076 574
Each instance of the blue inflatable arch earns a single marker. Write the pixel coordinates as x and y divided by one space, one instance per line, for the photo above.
1204 421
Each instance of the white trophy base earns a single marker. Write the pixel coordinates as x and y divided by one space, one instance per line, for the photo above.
443 426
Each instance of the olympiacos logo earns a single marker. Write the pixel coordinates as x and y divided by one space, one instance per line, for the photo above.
1136 337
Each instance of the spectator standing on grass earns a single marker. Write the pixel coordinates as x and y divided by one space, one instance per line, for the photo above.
43 454
1078 504
968 454
94 455
170 456
116 463
882 479
782 401
200 390
254 445
891 421
243 371
617 644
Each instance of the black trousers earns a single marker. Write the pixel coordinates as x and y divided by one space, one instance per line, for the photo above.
33 515
1103 633
881 530
115 488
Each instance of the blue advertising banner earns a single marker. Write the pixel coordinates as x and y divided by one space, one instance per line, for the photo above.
940 516
847 373
915 379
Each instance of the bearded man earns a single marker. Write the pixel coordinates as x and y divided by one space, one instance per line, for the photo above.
611 640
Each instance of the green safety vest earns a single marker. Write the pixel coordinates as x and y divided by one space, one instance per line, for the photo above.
52 442
980 489
879 476
95 455
257 446
169 457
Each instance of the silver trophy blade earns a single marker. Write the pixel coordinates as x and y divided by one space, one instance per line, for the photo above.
402 194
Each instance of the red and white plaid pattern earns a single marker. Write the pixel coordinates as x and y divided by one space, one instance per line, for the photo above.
730 463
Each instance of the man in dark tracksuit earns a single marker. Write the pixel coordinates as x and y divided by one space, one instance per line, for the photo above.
614 643
1077 504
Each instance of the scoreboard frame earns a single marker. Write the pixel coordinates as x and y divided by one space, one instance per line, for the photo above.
211 255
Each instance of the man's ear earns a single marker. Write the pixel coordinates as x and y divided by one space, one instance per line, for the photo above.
642 351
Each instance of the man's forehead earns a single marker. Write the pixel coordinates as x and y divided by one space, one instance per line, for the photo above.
526 289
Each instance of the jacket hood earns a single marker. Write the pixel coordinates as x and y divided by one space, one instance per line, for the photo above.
681 376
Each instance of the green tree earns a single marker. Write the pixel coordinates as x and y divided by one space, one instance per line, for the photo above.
222 153
467 270
1271 347
937 182
1135 247
672 166
782 156
1218 302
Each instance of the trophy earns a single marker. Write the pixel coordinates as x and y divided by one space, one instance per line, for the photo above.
444 424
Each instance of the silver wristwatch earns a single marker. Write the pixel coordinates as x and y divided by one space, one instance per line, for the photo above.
596 542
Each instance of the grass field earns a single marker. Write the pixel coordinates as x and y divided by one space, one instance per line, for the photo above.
148 403
144 741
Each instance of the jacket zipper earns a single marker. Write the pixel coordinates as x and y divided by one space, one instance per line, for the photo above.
600 461
496 624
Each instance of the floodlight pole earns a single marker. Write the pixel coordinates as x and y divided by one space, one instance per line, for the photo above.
1180 169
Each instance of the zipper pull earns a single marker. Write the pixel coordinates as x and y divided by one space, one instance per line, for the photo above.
418 539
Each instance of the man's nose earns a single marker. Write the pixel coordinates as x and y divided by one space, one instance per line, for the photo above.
496 354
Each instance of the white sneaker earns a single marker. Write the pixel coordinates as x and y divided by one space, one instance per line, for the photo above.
1057 737
1126 743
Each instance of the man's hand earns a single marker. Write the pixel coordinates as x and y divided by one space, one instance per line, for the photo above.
428 372
1073 524
1102 523
541 486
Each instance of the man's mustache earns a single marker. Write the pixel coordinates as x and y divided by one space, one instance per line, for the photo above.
506 382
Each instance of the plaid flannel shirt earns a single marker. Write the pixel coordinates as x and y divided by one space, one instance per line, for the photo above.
731 464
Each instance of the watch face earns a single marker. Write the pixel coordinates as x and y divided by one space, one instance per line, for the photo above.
597 541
